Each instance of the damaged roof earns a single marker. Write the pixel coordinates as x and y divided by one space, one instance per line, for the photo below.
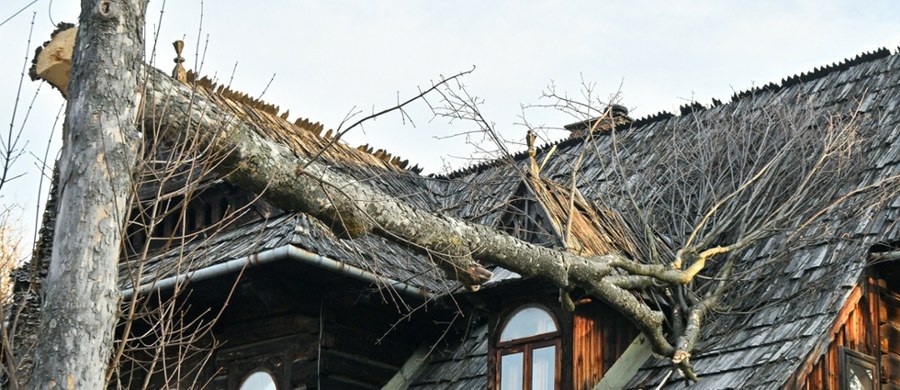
393 261
371 253
761 349
794 304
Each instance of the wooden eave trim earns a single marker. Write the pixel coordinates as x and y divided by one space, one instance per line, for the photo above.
821 347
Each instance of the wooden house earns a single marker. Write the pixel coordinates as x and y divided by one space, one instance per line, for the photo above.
295 305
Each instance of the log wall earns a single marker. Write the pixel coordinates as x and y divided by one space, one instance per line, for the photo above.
305 337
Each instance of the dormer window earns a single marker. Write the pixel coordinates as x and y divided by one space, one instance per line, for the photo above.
528 350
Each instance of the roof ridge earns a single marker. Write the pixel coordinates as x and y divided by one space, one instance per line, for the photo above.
817 73
315 128
694 106
518 156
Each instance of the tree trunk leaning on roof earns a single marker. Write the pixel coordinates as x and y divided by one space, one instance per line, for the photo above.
257 162
100 143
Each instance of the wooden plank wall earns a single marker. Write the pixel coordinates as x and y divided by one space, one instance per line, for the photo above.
359 350
872 327
286 345
306 339
362 347
599 336
889 321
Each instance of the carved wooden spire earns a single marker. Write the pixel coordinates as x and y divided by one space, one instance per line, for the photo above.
532 152
179 73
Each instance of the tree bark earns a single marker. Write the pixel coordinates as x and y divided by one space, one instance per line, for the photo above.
257 163
99 149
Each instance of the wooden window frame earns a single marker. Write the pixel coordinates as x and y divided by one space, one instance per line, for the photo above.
526 346
859 358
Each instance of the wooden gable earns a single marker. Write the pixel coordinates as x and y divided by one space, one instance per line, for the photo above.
867 330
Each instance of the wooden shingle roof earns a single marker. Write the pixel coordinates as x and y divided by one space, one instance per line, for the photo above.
785 310
790 305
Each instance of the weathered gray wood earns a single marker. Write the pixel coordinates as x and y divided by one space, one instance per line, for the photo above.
28 293
257 161
411 369
259 164
99 145
627 365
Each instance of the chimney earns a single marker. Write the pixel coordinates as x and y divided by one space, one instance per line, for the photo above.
616 116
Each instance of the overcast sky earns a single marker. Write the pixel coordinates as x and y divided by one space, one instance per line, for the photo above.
328 57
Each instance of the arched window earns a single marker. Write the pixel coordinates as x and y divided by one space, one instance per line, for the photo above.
528 350
259 380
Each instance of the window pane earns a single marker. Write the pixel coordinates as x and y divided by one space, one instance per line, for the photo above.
861 378
543 368
511 372
259 380
530 321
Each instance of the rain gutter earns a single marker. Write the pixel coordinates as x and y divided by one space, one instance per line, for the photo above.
288 252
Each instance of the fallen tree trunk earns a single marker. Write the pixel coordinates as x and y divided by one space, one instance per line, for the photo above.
290 182
258 163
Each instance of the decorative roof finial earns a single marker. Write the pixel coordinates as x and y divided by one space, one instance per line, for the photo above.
179 73
529 139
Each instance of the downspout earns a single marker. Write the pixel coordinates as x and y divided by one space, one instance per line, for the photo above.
272 255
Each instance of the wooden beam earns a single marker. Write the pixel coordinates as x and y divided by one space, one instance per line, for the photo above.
411 369
821 347
627 365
